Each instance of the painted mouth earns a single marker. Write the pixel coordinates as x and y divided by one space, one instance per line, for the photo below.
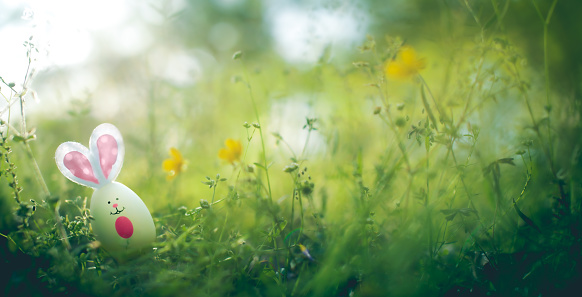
117 211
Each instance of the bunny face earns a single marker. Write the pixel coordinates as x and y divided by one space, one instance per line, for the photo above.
122 221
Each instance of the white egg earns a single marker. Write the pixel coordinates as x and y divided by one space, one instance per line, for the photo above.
122 222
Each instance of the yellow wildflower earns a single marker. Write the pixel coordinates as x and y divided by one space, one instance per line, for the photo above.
175 164
406 64
232 152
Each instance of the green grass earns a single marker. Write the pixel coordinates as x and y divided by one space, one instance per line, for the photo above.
462 181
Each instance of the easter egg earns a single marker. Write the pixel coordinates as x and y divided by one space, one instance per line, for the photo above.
122 222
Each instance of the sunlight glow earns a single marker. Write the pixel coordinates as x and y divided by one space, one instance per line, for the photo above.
62 29
302 35
287 117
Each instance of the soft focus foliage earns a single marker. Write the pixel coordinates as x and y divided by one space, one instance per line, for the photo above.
386 148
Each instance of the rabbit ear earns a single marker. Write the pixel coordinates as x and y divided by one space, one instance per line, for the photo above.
74 161
107 151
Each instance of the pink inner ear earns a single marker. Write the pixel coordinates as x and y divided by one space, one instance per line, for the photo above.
107 147
80 166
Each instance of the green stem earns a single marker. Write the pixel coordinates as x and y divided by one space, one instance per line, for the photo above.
431 95
21 98
37 171
545 149
264 154
289 148
305 145
470 197
301 213
547 75
47 193
249 138
9 105
428 109
292 211
223 227
390 123
214 191
152 124
14 242
473 13
297 281
426 201
401 146
470 94
60 226
551 12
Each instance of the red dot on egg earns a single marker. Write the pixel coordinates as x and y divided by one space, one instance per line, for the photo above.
124 227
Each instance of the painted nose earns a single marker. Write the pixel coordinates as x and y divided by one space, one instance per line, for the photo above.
115 205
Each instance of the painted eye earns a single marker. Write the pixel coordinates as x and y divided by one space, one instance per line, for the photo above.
108 202
116 198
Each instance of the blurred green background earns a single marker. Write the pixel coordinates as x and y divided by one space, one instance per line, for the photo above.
163 72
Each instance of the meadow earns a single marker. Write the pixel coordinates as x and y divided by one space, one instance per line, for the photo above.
435 164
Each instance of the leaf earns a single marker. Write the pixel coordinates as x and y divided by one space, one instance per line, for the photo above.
237 55
277 228
506 161
277 135
259 165
543 121
535 266
495 165
489 21
467 211
282 225
525 218
450 214
487 169
360 64
291 167
449 211
18 138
